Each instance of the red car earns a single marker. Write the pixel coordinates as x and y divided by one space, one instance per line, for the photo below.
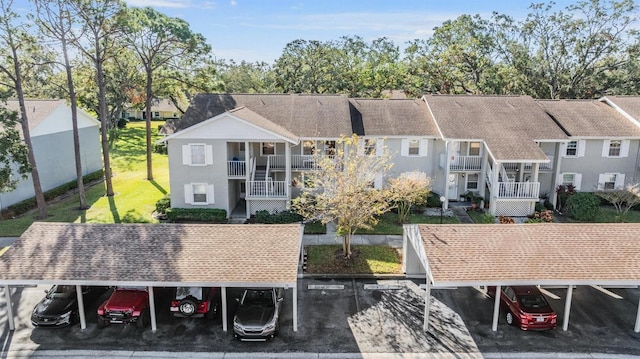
195 302
527 307
125 305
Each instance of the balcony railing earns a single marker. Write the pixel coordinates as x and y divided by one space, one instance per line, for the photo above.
466 163
298 162
236 168
520 190
528 165
266 189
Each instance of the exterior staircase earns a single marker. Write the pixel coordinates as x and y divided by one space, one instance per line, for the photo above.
261 173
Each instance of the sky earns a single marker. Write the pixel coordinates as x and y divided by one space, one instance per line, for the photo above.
258 30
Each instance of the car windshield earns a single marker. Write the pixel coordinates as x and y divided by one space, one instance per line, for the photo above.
62 291
183 292
533 301
258 298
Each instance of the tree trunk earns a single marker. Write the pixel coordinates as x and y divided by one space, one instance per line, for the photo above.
148 123
346 245
74 121
104 119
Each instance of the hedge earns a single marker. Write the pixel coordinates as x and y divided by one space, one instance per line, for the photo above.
277 217
210 215
30 203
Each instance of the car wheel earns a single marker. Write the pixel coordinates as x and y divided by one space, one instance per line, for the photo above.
102 322
188 307
509 318
144 319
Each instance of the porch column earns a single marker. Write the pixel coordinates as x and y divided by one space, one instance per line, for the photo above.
7 294
567 308
494 188
447 171
535 172
496 308
248 159
83 320
287 168
427 301
521 172
295 308
223 294
152 310
482 181
560 148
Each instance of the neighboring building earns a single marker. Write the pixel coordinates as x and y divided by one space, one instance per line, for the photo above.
161 109
249 152
52 138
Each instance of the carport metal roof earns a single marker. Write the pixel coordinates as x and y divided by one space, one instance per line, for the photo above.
528 254
215 255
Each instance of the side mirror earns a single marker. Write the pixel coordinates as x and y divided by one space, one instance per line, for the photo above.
46 291
238 300
280 299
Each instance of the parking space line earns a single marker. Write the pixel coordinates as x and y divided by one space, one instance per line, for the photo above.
383 286
607 292
326 286
548 294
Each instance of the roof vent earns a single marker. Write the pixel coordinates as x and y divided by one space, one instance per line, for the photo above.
457 103
509 104
320 103
261 100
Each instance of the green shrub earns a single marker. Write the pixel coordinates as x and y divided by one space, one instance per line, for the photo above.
433 200
277 217
122 123
160 148
163 204
30 203
548 205
488 218
539 207
583 206
211 215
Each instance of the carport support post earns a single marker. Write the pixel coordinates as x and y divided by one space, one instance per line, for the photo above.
567 308
83 320
496 308
152 309
295 308
7 293
427 301
637 327
223 292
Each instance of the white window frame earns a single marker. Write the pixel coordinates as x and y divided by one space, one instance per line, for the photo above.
623 149
466 184
618 182
479 149
576 181
314 148
581 146
413 146
406 145
329 147
187 157
370 146
262 146
189 194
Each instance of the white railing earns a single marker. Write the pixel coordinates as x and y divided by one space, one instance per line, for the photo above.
466 163
504 174
298 162
236 168
267 171
489 176
547 166
528 165
268 188
253 168
518 190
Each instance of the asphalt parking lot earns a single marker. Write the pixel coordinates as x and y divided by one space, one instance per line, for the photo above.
355 319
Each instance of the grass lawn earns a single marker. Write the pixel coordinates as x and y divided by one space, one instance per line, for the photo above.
608 214
134 198
370 259
388 223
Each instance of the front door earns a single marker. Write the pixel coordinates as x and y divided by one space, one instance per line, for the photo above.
453 186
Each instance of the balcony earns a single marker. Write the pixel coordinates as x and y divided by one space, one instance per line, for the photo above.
266 189
544 167
518 190
298 162
236 168
466 163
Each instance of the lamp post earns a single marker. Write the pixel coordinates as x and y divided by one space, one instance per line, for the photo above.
442 199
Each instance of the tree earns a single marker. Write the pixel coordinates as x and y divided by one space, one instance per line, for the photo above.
158 40
19 53
406 190
622 199
99 24
13 152
246 77
55 19
341 189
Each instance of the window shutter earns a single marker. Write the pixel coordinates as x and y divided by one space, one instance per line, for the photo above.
361 146
605 148
582 146
624 148
424 145
379 145
208 154
186 154
577 178
404 148
210 195
601 181
188 193
563 150
619 181
377 182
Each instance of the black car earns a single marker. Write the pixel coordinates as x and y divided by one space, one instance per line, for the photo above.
258 313
60 306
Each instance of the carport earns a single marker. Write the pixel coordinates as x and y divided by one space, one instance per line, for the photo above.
553 254
154 255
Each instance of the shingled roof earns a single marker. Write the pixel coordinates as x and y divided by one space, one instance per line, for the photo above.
629 104
509 125
37 110
154 254
395 117
545 253
590 118
303 115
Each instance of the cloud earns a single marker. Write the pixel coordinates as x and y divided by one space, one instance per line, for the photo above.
233 2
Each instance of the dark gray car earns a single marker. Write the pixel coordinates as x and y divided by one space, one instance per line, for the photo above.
258 313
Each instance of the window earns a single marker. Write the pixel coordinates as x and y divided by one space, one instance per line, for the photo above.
197 154
414 148
156 114
614 148
609 180
474 149
329 148
472 181
199 193
568 179
572 149
268 148
370 147
308 147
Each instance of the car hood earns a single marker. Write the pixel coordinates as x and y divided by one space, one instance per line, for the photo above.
127 299
49 307
254 316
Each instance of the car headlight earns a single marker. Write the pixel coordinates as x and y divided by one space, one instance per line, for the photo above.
269 326
66 317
